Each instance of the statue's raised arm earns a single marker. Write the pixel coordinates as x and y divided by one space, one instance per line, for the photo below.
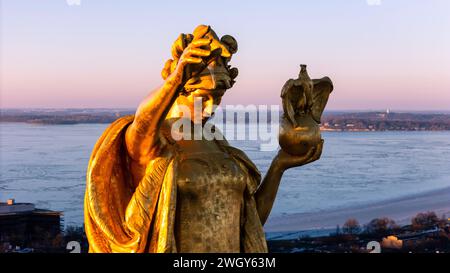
143 135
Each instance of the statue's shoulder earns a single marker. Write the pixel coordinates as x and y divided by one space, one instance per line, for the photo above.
123 120
119 125
112 134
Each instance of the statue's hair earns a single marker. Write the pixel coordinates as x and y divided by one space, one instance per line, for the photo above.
227 46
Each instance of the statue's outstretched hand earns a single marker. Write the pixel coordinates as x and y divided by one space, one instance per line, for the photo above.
286 161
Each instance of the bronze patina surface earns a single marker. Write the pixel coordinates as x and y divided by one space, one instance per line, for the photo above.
304 101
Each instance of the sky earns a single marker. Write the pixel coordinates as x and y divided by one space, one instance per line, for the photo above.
109 53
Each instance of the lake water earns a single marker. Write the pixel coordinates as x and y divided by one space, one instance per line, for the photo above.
46 165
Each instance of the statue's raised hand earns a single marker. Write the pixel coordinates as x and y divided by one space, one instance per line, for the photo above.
189 55
192 59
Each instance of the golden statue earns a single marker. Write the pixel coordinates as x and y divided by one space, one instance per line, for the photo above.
147 192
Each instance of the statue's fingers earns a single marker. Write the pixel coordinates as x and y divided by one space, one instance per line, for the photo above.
193 60
178 46
318 151
200 31
200 52
311 153
201 42
306 158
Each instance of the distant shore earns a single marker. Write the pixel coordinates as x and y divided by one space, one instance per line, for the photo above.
400 209
331 121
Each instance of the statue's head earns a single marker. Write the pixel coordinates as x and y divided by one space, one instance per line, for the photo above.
210 79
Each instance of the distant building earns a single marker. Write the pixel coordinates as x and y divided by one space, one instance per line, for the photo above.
21 224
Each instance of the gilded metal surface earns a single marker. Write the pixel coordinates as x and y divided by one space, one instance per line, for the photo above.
146 192
304 101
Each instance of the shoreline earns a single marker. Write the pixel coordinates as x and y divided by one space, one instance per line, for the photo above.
400 209
39 122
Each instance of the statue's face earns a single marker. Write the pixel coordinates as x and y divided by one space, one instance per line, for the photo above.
206 85
209 86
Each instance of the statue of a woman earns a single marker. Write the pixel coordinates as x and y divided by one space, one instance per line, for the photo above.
147 192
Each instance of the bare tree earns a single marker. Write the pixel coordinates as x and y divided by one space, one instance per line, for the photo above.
381 226
424 220
351 226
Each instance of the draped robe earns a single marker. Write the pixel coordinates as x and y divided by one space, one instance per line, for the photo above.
122 215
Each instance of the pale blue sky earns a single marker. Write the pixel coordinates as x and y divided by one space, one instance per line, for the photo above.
109 53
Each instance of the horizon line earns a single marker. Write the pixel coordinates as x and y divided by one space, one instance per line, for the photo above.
134 108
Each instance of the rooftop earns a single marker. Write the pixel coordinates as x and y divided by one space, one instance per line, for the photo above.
11 207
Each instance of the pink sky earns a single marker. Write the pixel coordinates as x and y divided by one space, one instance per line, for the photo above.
110 54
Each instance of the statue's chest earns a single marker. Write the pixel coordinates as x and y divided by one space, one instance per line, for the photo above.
208 170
